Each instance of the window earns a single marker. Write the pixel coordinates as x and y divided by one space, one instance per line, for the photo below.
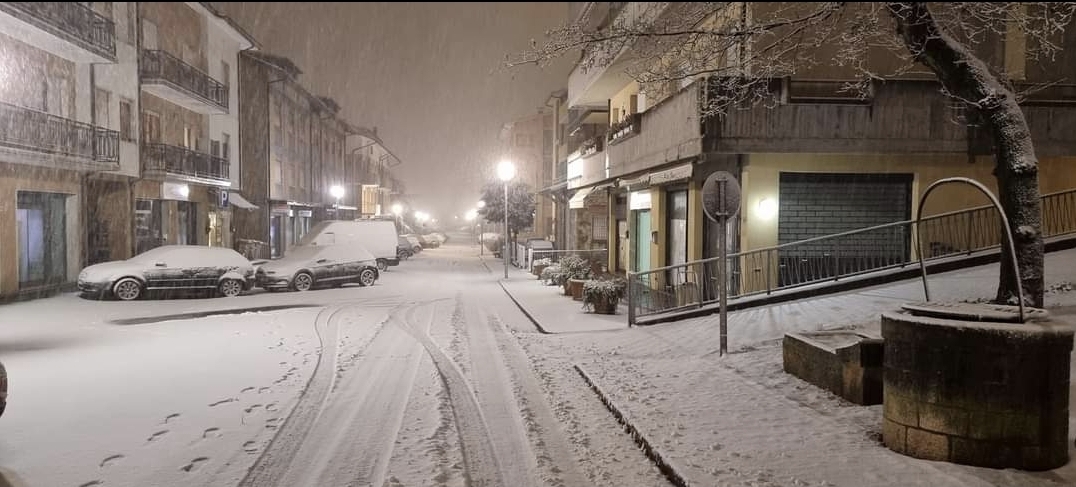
225 144
132 22
101 102
126 130
188 137
214 148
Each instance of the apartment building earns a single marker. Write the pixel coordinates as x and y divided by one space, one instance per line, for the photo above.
301 161
189 125
526 142
817 161
62 64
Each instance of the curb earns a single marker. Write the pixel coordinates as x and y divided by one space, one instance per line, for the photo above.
666 469
524 310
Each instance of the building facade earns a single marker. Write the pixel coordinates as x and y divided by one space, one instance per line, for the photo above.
58 133
301 161
817 162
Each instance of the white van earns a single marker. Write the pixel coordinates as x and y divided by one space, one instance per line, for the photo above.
378 236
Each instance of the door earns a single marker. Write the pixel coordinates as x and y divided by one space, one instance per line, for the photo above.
188 223
818 204
149 35
41 233
642 240
676 246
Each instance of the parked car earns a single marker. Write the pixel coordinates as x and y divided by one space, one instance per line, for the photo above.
170 268
416 244
306 267
403 248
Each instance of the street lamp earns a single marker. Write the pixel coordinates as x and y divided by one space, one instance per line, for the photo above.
337 192
506 171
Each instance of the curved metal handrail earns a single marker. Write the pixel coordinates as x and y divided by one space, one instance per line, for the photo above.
1004 220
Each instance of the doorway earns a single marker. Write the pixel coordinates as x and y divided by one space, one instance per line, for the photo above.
41 224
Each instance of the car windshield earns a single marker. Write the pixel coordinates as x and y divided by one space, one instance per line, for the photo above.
159 254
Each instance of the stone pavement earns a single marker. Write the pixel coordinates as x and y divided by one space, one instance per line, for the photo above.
739 419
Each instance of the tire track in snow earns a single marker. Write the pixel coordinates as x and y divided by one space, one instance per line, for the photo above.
479 455
280 451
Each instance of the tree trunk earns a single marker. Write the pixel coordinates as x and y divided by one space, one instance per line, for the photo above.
967 78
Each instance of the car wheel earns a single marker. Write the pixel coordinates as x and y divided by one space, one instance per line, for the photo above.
367 277
382 265
127 289
3 389
303 281
230 288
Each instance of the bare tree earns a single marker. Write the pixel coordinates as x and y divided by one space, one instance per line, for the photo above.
743 46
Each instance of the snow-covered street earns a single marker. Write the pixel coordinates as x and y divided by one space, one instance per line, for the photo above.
415 381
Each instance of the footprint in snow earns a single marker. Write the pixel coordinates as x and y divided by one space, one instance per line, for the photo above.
213 432
250 447
223 401
252 408
193 466
91 483
170 417
110 460
246 389
156 436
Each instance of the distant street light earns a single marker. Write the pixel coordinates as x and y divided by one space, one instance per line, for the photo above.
506 171
337 192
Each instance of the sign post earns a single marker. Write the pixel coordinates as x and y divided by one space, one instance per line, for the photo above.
721 201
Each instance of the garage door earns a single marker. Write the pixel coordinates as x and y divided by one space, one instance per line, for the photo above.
817 205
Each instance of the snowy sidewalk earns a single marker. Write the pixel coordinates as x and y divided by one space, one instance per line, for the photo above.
555 312
739 419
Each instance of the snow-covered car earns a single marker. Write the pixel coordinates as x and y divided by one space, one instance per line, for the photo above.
170 268
305 267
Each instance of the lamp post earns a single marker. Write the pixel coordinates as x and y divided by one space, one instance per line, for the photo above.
481 233
337 192
506 171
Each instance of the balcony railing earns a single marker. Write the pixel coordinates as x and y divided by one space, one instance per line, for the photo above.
162 67
31 130
183 162
72 21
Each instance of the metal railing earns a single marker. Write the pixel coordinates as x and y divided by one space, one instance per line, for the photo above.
177 160
73 21
33 130
160 66
598 257
832 257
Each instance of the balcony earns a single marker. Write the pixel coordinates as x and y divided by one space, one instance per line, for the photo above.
168 77
666 132
600 75
173 162
70 30
38 138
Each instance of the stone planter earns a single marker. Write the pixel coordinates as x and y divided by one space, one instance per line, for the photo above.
537 270
576 288
846 363
605 306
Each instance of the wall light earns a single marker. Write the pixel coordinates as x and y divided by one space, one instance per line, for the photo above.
767 208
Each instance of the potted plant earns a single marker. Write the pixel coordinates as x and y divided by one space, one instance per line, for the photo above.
552 275
575 270
539 265
603 295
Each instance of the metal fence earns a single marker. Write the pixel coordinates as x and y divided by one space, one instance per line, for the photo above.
832 257
598 257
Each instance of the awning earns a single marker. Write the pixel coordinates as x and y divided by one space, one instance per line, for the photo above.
578 199
236 199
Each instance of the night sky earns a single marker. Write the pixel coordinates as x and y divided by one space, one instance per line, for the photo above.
428 76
